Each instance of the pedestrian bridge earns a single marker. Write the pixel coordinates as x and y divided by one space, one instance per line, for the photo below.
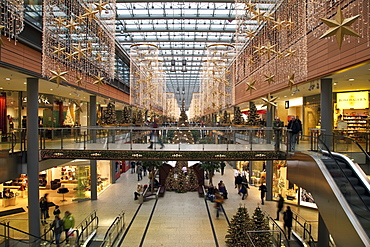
180 143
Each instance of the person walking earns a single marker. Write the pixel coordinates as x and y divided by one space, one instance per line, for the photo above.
222 167
238 182
280 206
56 211
294 128
219 200
139 171
244 189
288 221
132 167
68 224
222 189
58 227
300 124
263 190
44 210
154 136
277 126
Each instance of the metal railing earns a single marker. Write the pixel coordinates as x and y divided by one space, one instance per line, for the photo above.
86 229
113 232
303 228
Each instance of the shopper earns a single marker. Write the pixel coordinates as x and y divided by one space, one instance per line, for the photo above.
238 182
68 224
300 124
58 228
132 167
280 206
294 127
263 190
288 221
154 136
222 189
222 167
56 211
277 126
244 189
139 171
219 200
44 210
138 192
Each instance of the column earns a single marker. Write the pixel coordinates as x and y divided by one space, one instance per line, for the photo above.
326 106
93 180
33 157
323 234
93 117
269 118
269 172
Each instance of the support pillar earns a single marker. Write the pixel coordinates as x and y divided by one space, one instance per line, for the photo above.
94 180
269 118
33 157
269 172
323 234
93 117
326 109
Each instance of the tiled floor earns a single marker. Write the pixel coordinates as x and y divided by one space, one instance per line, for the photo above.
178 220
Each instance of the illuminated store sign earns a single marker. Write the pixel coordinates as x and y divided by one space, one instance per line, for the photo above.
355 100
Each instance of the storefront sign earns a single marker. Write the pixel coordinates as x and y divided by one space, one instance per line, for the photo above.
354 100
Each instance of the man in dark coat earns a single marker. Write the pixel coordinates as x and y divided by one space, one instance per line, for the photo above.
288 221
263 190
279 206
294 127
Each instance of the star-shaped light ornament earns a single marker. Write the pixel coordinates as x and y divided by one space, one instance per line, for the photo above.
269 101
70 56
79 80
291 81
279 25
99 57
250 34
101 6
99 80
58 50
58 76
71 25
251 60
79 51
270 78
78 107
258 16
290 53
289 24
80 19
269 49
250 6
269 17
1 41
260 50
250 86
59 21
90 13
340 27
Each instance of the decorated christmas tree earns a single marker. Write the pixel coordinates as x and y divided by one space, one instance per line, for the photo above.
109 115
139 117
126 116
237 232
253 117
180 181
238 116
260 224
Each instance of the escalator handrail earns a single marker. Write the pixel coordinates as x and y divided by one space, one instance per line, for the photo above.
341 169
29 234
355 142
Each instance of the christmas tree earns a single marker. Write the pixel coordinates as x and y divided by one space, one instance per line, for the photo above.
179 181
126 118
253 117
237 232
260 224
139 117
238 116
109 115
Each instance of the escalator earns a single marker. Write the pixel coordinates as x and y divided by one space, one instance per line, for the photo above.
341 191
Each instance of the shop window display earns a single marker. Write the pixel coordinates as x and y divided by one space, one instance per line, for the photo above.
258 175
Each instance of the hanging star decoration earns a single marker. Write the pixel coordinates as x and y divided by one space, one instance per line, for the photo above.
89 47
100 6
79 51
58 76
340 27
90 13
251 60
79 80
70 56
269 17
78 107
58 50
279 25
99 57
71 25
250 34
269 78
80 19
291 81
260 50
269 49
290 53
250 6
250 86
289 24
269 101
1 41
59 22
99 80
258 16
279 54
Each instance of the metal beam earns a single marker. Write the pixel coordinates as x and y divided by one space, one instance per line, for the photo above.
174 17
166 40
185 1
215 29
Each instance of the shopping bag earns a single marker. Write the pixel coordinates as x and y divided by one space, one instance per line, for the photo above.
71 233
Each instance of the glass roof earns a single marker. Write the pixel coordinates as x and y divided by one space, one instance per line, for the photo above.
182 31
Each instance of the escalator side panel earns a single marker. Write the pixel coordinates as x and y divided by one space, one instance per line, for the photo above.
309 172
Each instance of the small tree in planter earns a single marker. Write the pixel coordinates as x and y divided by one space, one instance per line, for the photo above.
152 166
238 119
210 167
126 116
253 117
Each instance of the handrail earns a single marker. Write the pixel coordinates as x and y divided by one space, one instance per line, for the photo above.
305 223
210 218
119 221
88 222
354 141
37 238
276 225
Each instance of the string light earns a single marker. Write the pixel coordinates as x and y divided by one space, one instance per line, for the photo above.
12 18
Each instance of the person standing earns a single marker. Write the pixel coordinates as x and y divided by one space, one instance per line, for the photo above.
222 167
154 136
244 189
219 200
56 211
68 224
139 171
277 126
132 167
58 228
238 182
300 124
222 189
263 190
288 221
294 128
280 206
44 210
138 192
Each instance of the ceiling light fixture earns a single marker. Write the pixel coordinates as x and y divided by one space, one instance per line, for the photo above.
184 66
351 79
173 69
